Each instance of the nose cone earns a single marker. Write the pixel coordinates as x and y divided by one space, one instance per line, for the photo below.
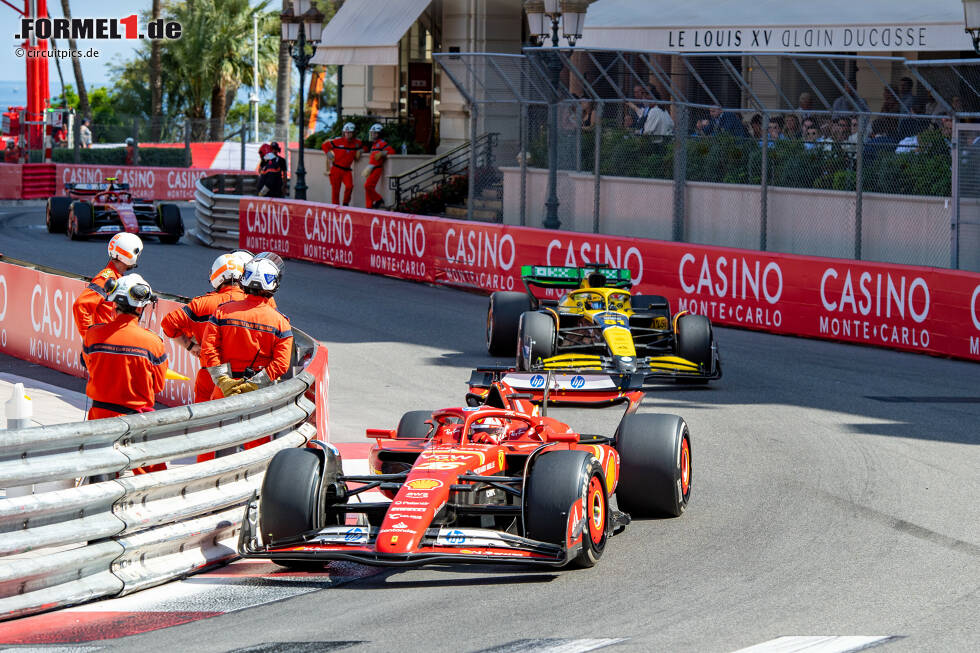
626 364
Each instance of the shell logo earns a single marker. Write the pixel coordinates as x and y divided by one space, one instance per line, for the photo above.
424 484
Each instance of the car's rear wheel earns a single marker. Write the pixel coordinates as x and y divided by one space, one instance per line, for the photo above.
535 339
503 314
412 425
656 469
565 497
694 339
80 220
169 220
56 214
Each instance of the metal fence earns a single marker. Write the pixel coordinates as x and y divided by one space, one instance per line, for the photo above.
839 156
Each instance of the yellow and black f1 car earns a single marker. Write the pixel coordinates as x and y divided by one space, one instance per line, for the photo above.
599 326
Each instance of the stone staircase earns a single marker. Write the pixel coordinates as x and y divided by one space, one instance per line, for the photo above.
488 206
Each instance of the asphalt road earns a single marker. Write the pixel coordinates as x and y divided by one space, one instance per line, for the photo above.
835 488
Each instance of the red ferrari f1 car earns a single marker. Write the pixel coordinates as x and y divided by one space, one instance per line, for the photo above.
495 481
109 208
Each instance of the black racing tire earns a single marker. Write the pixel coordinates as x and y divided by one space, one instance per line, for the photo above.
290 495
170 221
535 338
56 214
80 221
412 425
503 314
694 338
557 481
656 470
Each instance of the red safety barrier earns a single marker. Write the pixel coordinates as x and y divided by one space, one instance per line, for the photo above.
926 310
147 182
37 180
36 325
11 185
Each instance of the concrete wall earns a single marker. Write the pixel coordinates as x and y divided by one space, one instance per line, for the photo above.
319 184
895 228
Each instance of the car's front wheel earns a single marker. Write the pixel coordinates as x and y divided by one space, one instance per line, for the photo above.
503 314
565 499
656 470
536 339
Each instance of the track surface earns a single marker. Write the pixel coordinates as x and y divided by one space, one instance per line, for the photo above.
835 489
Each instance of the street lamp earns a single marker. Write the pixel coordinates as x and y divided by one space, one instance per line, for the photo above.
971 15
302 25
571 13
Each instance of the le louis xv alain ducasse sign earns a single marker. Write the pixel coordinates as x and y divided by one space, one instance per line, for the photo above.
822 38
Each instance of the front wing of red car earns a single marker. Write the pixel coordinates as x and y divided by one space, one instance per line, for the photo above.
439 545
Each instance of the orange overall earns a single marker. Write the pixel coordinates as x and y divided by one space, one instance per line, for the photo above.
190 320
127 367
92 307
344 153
248 334
377 160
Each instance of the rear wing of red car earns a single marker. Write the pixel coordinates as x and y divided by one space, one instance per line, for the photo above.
586 390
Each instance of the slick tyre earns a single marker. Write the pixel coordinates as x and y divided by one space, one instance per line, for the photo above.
412 425
535 339
694 339
503 314
56 214
566 493
656 470
169 220
80 220
289 500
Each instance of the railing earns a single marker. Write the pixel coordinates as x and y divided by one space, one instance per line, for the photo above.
114 537
216 205
431 174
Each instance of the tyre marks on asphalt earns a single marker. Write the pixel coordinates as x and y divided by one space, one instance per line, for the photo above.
820 644
553 645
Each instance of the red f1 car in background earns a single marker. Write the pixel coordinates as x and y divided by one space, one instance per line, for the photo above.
495 481
108 208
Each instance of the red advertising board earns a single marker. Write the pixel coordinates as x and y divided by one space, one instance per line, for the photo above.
11 184
146 182
36 325
918 309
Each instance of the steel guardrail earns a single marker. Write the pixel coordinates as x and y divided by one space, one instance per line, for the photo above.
109 538
216 208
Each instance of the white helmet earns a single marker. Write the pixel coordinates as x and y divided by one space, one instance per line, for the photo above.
130 291
349 127
261 275
226 268
243 256
125 247
275 258
376 127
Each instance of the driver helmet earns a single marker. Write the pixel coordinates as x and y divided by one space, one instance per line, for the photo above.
225 268
594 303
125 247
130 293
349 127
488 429
261 277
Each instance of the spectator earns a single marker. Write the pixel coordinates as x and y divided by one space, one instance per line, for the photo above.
914 123
879 141
720 121
85 134
840 129
276 149
791 127
775 131
806 104
755 125
657 121
944 127
846 104
270 176
589 114
811 136
131 157
906 94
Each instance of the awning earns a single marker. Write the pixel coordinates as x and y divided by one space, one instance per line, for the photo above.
776 26
367 32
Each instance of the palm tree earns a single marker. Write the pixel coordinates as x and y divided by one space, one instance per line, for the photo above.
156 84
283 79
83 106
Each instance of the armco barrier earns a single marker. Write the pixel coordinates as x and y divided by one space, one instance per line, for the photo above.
216 208
68 546
926 310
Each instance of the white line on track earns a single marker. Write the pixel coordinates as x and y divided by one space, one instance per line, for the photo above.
819 644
